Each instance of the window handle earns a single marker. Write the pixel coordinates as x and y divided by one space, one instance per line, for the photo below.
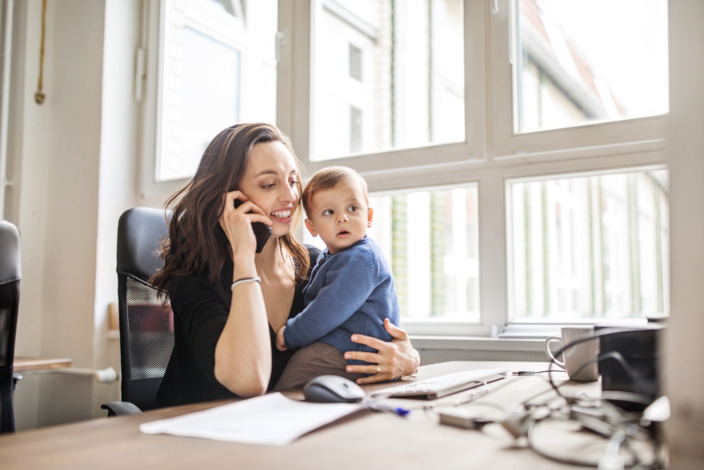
139 73
280 42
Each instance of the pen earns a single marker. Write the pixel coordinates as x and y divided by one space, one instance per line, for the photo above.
373 405
529 372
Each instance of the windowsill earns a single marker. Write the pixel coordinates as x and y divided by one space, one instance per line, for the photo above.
478 343
514 338
518 342
464 343
510 341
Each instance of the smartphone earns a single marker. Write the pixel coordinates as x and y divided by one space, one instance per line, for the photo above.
262 232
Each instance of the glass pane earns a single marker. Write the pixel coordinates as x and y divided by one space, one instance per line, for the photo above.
430 240
202 99
211 53
584 61
398 65
590 247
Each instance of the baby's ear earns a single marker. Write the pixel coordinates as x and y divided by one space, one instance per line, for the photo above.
370 216
311 228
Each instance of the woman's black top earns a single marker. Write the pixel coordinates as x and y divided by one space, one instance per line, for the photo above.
200 312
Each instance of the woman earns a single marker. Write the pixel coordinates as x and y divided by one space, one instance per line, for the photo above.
228 300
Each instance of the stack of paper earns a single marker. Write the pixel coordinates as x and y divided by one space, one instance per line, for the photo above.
270 419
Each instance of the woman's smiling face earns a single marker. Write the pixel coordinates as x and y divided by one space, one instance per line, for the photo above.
271 181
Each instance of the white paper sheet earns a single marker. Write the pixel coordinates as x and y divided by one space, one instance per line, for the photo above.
270 419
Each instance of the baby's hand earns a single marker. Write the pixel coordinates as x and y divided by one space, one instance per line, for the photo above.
280 341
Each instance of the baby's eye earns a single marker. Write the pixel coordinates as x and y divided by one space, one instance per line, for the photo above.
328 212
353 208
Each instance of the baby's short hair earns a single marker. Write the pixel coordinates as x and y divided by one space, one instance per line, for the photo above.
328 178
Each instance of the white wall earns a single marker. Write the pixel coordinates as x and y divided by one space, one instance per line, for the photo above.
74 163
73 110
684 349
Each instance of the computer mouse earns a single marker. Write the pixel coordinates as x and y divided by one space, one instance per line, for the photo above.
332 389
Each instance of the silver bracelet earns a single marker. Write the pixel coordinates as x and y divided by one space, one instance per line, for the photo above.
244 280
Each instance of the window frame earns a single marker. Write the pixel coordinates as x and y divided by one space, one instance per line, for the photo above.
296 65
149 86
564 143
491 154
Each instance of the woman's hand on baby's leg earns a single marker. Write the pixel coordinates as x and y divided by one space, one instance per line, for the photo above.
392 360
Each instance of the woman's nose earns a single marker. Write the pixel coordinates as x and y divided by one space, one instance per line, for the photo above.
290 194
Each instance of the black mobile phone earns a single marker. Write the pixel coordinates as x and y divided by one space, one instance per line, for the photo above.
262 232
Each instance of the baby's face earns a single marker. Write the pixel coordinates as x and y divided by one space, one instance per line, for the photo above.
340 215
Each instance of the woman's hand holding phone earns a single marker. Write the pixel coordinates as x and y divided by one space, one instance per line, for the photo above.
262 231
233 229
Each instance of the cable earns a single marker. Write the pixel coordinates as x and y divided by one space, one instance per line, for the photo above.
531 439
598 415
619 451
627 442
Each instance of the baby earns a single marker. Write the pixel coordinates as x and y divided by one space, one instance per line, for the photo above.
351 289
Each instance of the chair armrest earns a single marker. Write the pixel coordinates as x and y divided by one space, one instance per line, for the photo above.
120 408
16 377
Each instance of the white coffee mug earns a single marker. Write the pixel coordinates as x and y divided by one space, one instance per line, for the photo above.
580 360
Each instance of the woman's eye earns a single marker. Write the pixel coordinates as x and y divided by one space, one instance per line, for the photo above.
293 183
267 186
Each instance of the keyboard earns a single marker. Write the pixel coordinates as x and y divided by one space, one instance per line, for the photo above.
438 387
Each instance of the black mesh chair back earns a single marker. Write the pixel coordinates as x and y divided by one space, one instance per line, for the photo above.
9 305
146 322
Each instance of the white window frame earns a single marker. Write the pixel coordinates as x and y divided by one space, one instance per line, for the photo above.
148 58
148 86
295 73
490 155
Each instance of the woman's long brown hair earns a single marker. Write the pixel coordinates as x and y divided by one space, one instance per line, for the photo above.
196 244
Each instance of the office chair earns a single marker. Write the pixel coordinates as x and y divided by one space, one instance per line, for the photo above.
9 306
146 322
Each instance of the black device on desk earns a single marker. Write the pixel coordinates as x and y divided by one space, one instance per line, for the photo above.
629 358
262 232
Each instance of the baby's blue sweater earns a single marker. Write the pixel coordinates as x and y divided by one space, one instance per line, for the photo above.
349 292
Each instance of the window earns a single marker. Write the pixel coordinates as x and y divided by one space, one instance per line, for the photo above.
587 248
200 96
533 118
430 238
215 66
569 72
404 74
515 179
355 62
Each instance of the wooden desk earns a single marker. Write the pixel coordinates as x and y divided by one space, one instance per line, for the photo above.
365 440
28 364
